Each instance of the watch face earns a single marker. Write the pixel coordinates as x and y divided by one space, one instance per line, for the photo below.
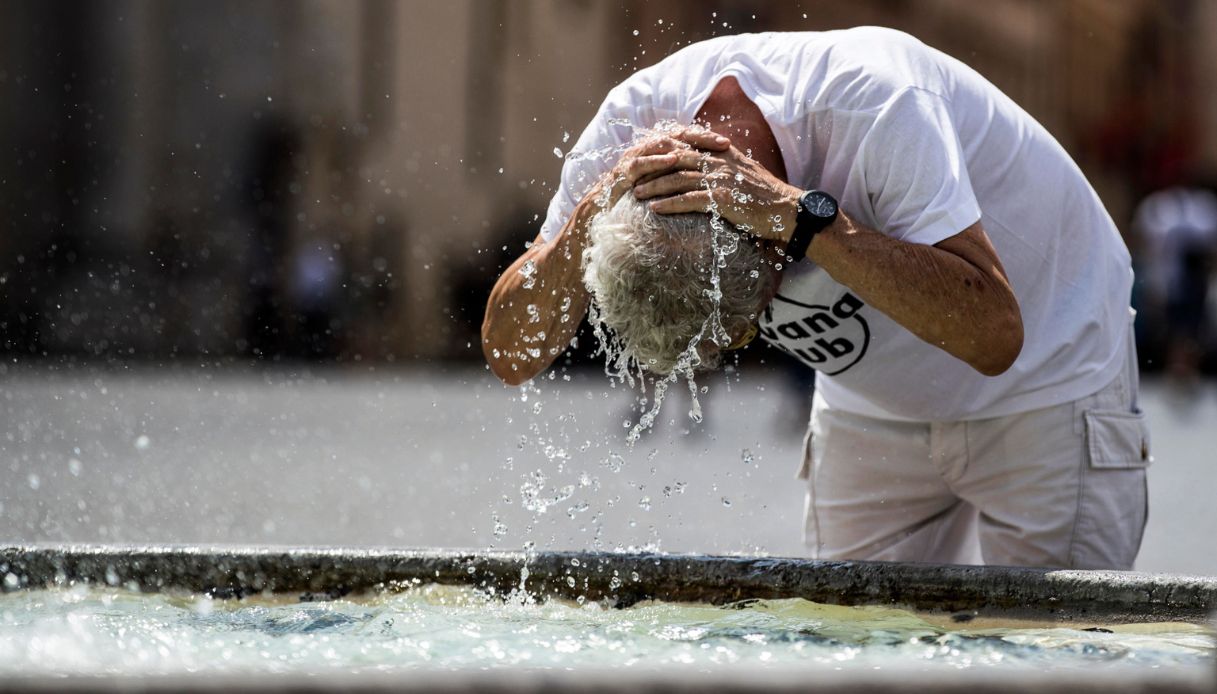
820 204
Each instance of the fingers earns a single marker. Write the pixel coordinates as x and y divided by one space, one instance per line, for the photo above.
648 165
694 137
667 184
644 168
659 144
702 138
693 201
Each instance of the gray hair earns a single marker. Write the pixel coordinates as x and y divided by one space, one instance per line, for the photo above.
652 281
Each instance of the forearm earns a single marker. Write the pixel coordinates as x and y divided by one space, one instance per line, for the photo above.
945 295
534 311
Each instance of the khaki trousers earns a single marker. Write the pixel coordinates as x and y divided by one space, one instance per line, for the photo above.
1061 486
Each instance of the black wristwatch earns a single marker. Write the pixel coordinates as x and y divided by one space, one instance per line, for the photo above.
817 210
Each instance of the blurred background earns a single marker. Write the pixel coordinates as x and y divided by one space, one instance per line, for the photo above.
245 249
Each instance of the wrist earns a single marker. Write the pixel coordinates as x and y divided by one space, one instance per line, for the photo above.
788 215
817 211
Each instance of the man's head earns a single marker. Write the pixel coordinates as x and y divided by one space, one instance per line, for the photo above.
650 277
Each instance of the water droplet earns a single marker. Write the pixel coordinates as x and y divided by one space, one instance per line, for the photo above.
34 481
557 152
528 271
614 462
75 466
142 442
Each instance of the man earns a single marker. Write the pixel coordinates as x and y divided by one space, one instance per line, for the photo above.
955 281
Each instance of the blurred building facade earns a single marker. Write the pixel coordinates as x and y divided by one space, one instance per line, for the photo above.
332 179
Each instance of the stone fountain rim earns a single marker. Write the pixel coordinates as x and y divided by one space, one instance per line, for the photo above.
621 578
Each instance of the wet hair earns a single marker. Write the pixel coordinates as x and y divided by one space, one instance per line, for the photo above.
651 281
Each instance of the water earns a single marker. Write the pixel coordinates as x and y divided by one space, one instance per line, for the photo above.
96 631
620 363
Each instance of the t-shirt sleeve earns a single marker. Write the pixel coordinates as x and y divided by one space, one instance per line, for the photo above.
915 172
594 154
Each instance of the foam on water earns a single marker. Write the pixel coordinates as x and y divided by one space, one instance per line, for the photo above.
92 631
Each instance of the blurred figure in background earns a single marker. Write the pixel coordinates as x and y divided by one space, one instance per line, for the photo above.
1178 230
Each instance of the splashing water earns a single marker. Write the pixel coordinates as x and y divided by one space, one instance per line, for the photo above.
102 631
619 362
537 497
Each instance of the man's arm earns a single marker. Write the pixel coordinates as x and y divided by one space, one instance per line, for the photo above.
954 295
536 305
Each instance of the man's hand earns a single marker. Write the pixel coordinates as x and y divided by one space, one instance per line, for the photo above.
535 306
660 155
730 182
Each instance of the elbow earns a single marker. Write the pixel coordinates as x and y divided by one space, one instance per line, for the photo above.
502 365
1004 344
508 365
507 371
507 360
509 378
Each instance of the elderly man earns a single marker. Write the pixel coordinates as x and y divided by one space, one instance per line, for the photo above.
952 277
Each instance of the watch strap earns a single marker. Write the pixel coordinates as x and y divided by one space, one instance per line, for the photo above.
806 226
800 240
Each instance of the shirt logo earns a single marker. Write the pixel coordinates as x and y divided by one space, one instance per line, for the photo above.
829 339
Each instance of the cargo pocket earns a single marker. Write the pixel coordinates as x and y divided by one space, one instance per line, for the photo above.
1113 500
1117 439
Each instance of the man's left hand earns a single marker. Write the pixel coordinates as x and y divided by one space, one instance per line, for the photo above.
730 183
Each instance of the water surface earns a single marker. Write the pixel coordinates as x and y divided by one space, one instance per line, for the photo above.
94 631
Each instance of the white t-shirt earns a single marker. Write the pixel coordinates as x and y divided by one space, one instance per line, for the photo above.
918 146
